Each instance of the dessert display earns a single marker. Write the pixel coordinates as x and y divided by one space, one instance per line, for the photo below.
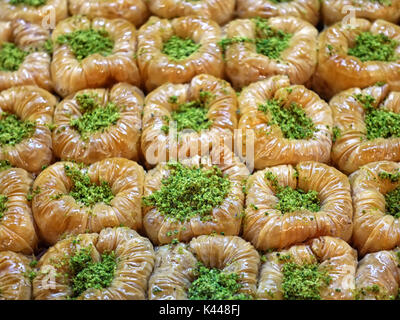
208 268
287 205
357 55
183 120
114 264
308 10
321 269
376 194
24 55
221 11
177 50
95 124
70 198
289 123
92 54
366 126
258 48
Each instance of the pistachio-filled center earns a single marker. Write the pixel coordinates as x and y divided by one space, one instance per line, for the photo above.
303 282
292 120
11 57
85 191
291 200
392 198
213 284
189 192
178 48
13 130
269 42
86 273
95 117
4 165
84 43
31 3
374 47
380 123
3 207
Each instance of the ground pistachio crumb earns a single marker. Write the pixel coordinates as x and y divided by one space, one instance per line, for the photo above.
85 273
86 192
3 206
291 200
292 120
95 117
178 48
32 3
392 176
13 130
392 206
84 43
11 57
374 47
4 165
303 282
189 192
214 284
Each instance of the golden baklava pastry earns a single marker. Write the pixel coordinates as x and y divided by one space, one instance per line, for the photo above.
114 264
177 50
256 49
220 11
376 198
366 126
335 10
95 124
93 54
24 59
321 269
135 11
15 272
359 55
305 9
17 229
182 120
25 122
71 199
378 276
282 123
208 268
199 195
286 205
35 11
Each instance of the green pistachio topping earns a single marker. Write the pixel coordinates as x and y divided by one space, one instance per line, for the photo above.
383 2
336 134
86 273
392 176
11 57
32 3
3 207
4 165
392 199
213 284
84 43
291 200
303 282
189 192
374 47
96 117
292 120
13 130
85 191
380 123
178 48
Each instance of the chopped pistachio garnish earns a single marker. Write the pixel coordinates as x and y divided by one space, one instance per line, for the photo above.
11 57
32 3
303 282
3 207
178 48
374 47
393 177
13 130
336 134
86 274
291 200
85 191
189 192
293 121
4 165
84 43
392 206
213 284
